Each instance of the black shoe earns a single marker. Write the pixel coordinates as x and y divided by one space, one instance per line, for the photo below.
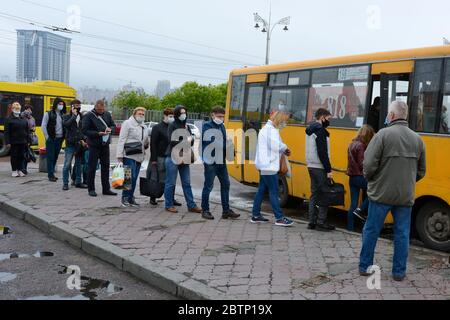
125 203
176 203
365 274
92 193
360 214
312 226
81 186
109 193
153 202
207 215
325 227
24 171
399 278
230 215
133 203
259 219
65 187
53 179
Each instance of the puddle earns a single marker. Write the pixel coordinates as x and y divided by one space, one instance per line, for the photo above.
5 230
5 277
14 255
90 287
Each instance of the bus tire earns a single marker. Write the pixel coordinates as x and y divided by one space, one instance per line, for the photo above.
433 225
4 151
283 191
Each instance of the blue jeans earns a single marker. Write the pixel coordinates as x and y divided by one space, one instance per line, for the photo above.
271 183
211 172
357 184
69 153
52 147
171 181
135 170
371 232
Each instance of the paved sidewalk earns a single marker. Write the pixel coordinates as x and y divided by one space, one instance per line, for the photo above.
242 260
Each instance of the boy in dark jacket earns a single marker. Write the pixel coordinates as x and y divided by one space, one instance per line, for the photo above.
74 142
319 167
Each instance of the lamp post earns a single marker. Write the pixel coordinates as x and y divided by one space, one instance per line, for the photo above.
268 28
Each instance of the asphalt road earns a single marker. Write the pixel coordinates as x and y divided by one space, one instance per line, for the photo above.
34 266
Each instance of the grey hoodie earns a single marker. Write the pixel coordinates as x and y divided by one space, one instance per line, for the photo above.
318 147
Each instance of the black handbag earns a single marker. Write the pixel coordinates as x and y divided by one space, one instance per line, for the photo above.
134 147
331 194
30 156
152 187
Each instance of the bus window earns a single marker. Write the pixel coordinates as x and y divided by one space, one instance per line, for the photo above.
7 99
445 111
293 100
278 80
237 98
343 91
427 77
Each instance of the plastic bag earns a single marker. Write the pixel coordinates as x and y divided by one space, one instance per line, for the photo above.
118 177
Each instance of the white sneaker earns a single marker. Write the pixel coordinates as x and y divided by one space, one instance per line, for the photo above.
15 174
21 174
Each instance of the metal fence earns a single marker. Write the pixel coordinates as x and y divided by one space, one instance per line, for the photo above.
154 115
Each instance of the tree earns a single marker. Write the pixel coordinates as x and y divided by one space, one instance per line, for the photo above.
132 99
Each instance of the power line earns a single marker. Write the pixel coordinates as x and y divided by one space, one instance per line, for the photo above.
145 31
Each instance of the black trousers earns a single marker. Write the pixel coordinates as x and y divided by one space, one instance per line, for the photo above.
96 153
17 153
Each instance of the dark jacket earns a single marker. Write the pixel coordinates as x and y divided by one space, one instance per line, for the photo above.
73 129
92 126
159 141
356 158
16 130
318 147
176 125
394 161
52 118
209 157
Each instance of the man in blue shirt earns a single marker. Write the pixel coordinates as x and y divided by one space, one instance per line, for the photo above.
213 150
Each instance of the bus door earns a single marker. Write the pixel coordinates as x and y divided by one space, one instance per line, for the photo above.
253 111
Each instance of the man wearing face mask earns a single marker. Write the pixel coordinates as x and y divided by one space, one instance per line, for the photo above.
54 132
319 167
159 143
17 137
214 160
97 127
74 144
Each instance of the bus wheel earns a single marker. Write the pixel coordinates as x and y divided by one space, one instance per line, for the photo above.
433 225
4 151
283 192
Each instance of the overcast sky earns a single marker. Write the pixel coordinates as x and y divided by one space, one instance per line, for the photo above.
318 29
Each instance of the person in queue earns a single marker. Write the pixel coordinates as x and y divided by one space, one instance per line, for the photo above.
17 139
213 150
393 163
27 114
54 132
97 127
319 167
269 149
357 182
159 142
74 143
178 159
133 132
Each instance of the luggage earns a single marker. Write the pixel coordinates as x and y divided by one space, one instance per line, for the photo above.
152 187
331 194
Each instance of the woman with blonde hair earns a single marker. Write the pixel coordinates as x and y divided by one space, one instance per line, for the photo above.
17 138
357 181
133 141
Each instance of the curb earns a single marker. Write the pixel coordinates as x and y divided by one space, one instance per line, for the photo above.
150 272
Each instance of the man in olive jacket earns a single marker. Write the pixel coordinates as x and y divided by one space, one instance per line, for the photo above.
393 162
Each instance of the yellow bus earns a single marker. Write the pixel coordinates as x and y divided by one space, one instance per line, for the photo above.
39 94
348 87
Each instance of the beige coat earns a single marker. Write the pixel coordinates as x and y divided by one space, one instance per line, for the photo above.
132 131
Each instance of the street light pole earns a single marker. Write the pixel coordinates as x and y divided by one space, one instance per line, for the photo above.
268 28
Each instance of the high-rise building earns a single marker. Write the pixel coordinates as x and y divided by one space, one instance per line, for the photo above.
162 88
42 55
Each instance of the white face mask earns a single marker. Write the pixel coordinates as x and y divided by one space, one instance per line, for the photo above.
218 121
282 125
140 119
171 119
60 107
182 117
16 113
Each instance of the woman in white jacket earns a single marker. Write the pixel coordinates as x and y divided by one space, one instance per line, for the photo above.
133 135
268 154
